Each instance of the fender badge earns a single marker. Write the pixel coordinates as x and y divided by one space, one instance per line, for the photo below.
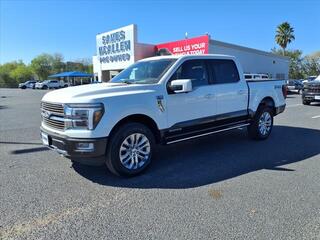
160 103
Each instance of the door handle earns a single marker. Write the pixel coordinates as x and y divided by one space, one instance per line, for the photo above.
241 92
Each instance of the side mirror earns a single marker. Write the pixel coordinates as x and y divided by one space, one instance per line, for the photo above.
181 86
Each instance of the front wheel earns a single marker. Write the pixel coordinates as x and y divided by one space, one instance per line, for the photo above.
305 102
45 87
262 124
129 150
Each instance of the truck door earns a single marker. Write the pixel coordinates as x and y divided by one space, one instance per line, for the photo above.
187 109
231 93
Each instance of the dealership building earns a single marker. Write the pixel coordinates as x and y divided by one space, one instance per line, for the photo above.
119 48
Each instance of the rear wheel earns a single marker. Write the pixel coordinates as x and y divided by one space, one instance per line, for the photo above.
262 124
45 87
129 150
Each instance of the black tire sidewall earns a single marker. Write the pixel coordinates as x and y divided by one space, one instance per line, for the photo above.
254 131
113 160
305 102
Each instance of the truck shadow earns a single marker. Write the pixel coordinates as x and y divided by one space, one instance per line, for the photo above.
216 158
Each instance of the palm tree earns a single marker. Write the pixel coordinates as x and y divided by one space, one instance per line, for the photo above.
284 35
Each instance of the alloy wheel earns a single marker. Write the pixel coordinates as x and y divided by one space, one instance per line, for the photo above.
265 123
134 151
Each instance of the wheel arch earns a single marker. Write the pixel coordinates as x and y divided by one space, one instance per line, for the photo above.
139 118
268 102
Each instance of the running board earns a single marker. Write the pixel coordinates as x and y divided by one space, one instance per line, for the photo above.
208 133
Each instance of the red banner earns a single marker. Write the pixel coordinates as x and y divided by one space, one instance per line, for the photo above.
197 45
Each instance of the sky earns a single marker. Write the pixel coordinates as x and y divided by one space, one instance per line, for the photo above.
31 27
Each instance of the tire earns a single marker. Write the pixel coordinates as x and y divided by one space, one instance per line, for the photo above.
121 153
23 87
45 87
262 124
305 102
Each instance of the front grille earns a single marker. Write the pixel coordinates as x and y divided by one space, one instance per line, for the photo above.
313 90
53 108
52 115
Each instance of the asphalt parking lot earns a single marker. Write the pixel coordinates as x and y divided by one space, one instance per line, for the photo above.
219 187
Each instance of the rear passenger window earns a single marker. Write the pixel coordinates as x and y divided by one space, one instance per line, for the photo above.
224 71
194 70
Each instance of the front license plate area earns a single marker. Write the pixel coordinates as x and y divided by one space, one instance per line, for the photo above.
45 139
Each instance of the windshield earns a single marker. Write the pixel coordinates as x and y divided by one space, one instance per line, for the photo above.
145 72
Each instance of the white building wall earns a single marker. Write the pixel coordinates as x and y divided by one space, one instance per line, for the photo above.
96 68
254 61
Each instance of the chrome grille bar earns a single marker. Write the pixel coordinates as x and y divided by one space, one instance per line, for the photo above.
53 115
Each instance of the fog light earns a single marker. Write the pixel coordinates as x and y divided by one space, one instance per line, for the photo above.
84 147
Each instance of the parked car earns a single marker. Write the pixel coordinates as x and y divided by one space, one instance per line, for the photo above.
256 76
295 86
159 100
309 79
49 84
311 91
27 84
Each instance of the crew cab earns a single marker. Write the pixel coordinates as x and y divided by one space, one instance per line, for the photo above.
158 100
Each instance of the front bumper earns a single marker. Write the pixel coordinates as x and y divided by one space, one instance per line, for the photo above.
68 146
312 97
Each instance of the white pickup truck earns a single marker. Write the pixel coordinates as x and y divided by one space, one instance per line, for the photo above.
50 84
158 100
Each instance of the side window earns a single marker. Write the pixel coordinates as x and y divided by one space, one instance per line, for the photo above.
224 71
194 70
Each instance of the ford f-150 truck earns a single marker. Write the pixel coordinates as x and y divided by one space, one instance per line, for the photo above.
158 100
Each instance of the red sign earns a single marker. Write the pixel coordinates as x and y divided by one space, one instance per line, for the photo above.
197 45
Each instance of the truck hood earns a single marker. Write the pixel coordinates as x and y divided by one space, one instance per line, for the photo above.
92 92
314 83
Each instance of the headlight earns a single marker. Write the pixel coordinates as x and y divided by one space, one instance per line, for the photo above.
83 116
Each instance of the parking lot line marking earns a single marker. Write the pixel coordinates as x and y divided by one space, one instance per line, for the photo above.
316 116
295 105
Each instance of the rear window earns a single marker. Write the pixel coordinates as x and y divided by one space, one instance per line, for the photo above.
224 71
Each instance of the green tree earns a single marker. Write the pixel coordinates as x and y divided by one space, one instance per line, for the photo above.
58 65
311 64
42 65
6 80
21 73
284 35
296 62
